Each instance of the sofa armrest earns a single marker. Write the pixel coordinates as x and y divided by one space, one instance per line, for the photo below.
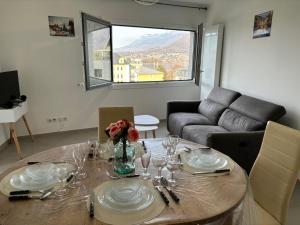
242 147
181 106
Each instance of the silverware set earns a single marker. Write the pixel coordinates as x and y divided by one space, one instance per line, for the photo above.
26 194
189 149
157 186
213 171
165 184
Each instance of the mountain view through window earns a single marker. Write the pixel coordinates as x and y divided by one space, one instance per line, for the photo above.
150 54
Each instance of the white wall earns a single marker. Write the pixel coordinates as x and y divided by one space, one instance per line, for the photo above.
51 67
266 68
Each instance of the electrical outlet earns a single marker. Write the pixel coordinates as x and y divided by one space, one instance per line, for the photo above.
57 119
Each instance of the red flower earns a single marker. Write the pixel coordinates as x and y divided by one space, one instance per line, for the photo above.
110 126
133 134
122 123
114 130
130 124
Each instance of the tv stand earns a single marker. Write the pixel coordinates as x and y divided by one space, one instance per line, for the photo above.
11 116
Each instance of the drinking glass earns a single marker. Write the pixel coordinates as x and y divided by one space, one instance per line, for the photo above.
145 158
62 174
93 146
167 145
172 165
80 154
174 141
158 161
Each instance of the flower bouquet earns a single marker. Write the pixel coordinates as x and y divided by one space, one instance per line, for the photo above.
122 133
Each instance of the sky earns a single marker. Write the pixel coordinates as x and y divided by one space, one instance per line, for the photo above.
123 36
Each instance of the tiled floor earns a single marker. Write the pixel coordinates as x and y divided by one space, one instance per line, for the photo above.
44 142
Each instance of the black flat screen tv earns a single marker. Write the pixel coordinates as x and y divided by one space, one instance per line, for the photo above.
9 86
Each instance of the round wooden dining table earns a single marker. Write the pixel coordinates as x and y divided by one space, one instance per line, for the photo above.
203 199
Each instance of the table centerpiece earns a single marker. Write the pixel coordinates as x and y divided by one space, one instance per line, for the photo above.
122 133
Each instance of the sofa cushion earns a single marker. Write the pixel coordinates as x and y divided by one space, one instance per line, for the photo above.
223 96
234 121
257 109
178 120
199 133
212 110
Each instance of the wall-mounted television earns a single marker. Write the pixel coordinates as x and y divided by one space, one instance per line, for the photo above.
9 86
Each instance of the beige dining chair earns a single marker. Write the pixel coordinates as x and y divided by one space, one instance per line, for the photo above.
109 115
274 174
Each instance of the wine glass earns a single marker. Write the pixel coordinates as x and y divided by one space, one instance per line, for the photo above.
145 159
166 144
158 161
172 165
80 154
174 141
62 174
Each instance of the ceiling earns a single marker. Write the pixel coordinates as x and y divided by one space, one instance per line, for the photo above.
189 2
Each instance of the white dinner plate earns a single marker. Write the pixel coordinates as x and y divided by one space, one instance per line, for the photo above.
143 198
38 177
206 160
125 190
40 171
22 182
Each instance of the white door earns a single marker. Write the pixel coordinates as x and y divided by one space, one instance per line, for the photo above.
211 59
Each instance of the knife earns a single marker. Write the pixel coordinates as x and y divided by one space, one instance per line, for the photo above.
188 149
165 184
213 171
28 196
131 176
26 192
162 195
35 162
23 197
92 204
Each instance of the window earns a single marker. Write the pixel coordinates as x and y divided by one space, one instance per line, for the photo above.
151 54
97 51
126 54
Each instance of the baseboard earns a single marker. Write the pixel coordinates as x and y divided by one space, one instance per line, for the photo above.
57 133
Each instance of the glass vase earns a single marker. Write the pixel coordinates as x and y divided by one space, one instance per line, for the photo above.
124 158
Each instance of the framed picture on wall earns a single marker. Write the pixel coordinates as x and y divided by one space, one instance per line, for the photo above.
262 25
61 26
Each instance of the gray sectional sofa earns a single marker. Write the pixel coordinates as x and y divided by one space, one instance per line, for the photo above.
227 121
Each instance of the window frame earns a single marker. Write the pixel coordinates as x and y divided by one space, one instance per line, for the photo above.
84 18
194 61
